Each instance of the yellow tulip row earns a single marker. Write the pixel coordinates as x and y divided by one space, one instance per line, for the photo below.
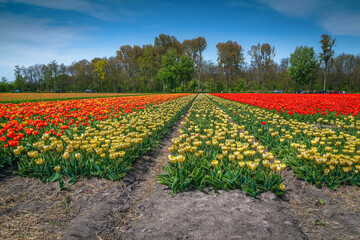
210 139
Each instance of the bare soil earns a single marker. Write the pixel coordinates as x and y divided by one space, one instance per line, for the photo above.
138 207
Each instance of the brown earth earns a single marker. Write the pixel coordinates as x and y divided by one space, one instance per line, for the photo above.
138 207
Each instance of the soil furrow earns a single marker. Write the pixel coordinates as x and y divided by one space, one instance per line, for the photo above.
205 215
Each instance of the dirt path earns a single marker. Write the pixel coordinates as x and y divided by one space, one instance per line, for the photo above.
140 208
201 215
324 213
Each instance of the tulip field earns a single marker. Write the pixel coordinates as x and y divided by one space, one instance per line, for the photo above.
214 151
319 138
145 166
86 137
227 141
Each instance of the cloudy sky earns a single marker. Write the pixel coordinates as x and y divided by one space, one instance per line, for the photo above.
38 31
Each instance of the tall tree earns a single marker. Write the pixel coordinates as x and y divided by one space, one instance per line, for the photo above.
184 70
262 61
34 76
230 59
5 85
19 83
168 71
283 77
63 79
201 45
189 47
115 74
211 75
195 48
148 69
82 75
327 43
53 69
128 57
303 65
100 68
163 43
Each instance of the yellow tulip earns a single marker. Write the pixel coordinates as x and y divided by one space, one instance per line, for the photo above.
266 163
16 151
242 164
66 155
180 158
214 163
172 159
39 161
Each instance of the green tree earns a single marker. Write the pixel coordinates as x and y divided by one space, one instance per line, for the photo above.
185 68
168 72
163 43
175 70
230 59
5 85
128 57
262 61
148 69
115 74
82 75
19 83
327 43
283 78
100 70
303 65
52 71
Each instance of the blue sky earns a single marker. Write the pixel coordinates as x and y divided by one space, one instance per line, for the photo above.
38 31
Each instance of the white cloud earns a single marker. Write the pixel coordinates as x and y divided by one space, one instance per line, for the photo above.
27 41
108 12
342 23
294 8
336 17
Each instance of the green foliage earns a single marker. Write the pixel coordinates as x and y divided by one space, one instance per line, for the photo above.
185 69
327 43
168 72
319 202
136 69
230 59
175 70
6 86
303 65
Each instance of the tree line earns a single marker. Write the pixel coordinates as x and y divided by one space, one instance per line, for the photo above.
173 66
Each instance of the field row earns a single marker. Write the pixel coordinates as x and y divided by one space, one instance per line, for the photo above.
15 97
304 104
214 151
